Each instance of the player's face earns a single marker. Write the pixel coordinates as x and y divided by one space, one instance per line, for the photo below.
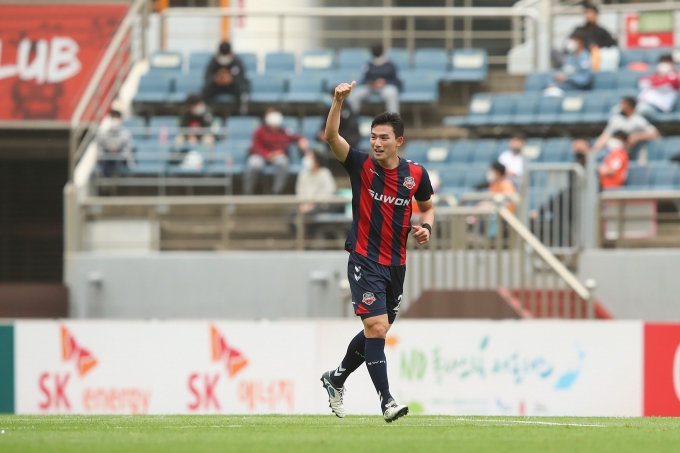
383 142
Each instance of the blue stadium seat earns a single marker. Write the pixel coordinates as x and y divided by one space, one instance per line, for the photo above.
311 125
353 59
538 178
485 151
633 56
452 177
555 150
419 87
179 170
468 65
532 147
596 108
430 59
249 61
241 128
457 121
137 126
437 151
335 78
535 81
548 110
654 150
638 176
605 80
169 123
318 60
198 61
572 108
292 123
229 158
186 84
481 109
400 57
305 88
527 105
672 116
671 147
627 79
150 158
475 174
503 109
266 89
460 151
166 61
663 176
279 62
653 55
153 88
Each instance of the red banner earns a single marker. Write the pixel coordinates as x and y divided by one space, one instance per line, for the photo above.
662 370
48 54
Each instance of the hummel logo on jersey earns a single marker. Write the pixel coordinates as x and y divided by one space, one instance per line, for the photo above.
339 371
357 277
391 200
357 268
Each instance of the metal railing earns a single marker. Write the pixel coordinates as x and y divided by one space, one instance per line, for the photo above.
386 34
127 47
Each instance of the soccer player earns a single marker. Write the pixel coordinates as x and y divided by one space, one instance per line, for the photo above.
382 189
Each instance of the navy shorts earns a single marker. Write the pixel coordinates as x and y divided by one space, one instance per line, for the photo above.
376 289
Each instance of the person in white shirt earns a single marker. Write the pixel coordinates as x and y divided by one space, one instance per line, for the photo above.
313 181
512 158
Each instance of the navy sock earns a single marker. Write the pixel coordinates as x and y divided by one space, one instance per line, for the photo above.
353 360
377 368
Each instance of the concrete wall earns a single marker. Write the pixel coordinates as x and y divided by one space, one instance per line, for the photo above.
236 285
636 283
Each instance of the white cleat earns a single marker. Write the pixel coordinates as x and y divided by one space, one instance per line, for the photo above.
335 395
394 411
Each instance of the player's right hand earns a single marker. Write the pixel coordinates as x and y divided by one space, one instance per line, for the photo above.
343 90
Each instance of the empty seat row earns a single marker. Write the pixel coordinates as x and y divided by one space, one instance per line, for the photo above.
459 65
609 80
655 176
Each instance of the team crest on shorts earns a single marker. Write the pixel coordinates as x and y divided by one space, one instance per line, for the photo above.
409 182
368 298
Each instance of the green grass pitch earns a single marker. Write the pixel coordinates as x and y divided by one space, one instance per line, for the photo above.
298 434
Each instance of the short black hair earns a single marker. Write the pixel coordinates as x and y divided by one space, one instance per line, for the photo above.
390 118
630 101
621 135
591 6
666 57
519 135
225 48
319 158
377 49
194 99
578 35
115 113
499 167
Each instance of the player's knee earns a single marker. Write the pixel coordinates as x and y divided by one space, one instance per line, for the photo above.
377 330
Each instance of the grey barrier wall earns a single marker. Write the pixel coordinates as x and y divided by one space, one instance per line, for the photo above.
237 285
635 283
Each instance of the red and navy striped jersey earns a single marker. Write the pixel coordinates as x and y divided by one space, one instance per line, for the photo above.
381 206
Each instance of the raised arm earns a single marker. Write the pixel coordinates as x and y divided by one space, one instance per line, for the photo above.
338 145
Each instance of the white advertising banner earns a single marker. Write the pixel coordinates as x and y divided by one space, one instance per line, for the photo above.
242 367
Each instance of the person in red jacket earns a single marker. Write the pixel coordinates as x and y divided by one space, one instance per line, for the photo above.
659 90
270 147
614 168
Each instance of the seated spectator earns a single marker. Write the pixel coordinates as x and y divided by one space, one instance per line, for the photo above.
225 74
270 145
380 76
512 158
114 146
659 90
636 127
576 72
614 168
580 146
499 183
349 124
194 123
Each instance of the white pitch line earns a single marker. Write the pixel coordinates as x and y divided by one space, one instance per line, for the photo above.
529 422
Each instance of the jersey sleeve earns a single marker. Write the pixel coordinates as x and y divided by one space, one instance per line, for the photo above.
354 160
424 191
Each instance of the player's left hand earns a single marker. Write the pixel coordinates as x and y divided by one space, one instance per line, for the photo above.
421 235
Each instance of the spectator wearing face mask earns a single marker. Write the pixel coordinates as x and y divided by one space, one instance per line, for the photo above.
349 124
576 72
659 90
225 74
270 145
114 146
580 146
380 76
194 123
512 158
499 183
614 168
637 129
313 181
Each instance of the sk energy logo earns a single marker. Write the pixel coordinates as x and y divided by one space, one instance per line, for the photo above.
232 358
72 352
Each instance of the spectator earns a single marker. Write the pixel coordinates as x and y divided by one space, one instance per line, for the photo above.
115 146
576 72
194 123
225 74
314 180
270 144
499 183
512 158
614 168
349 124
580 146
380 76
659 90
636 127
